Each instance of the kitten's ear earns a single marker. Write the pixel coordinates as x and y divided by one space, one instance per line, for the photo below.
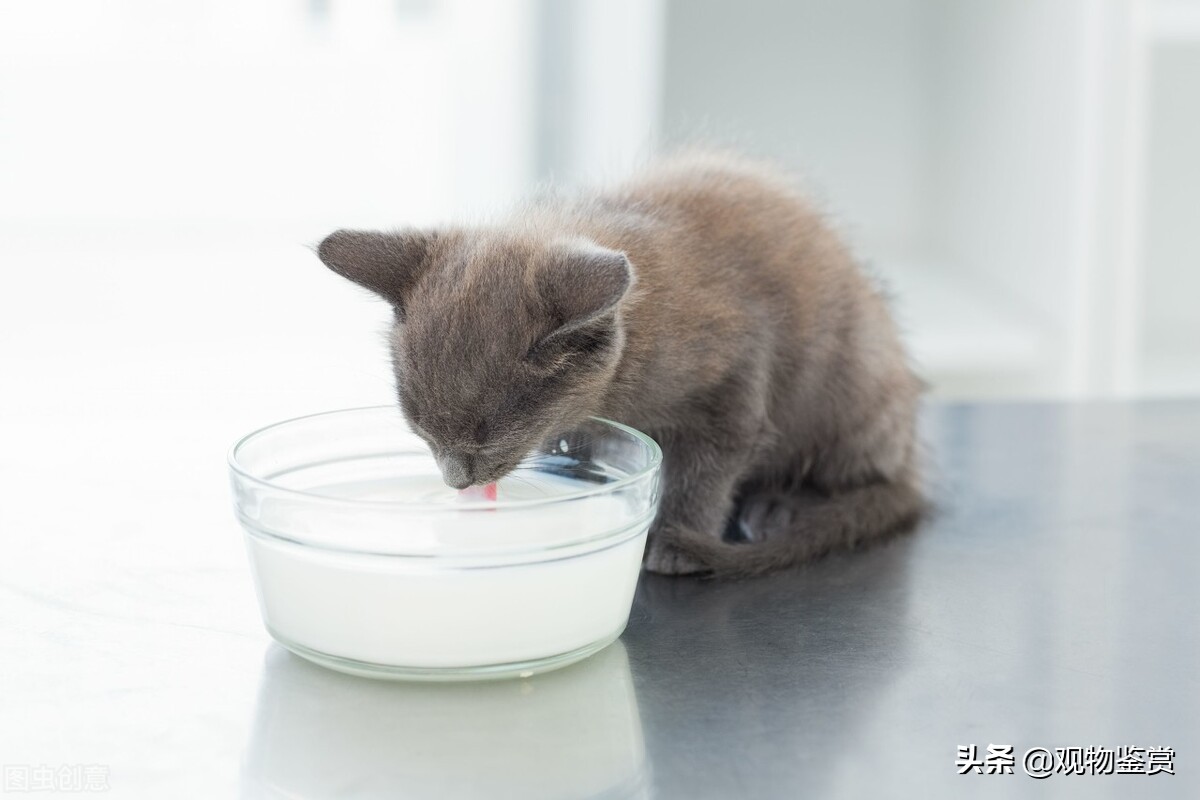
582 284
388 264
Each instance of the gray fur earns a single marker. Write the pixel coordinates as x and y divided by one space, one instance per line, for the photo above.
704 303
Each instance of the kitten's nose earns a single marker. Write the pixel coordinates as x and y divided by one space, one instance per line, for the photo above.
457 471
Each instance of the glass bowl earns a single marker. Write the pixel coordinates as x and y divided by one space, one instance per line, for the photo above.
365 562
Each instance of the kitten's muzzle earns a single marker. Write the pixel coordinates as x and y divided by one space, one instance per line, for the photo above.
458 471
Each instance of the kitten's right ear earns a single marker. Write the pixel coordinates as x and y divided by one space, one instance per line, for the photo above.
388 264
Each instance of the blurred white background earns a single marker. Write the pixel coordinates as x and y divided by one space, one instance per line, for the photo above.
1020 174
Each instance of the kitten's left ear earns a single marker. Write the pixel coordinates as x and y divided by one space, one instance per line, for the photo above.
583 283
388 264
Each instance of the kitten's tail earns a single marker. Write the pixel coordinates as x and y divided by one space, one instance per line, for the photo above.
800 527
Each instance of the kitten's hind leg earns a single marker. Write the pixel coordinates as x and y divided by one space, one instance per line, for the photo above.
786 529
736 530
767 514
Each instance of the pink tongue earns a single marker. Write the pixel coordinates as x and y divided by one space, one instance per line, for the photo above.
485 492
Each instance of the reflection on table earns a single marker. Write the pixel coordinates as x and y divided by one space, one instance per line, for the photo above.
572 733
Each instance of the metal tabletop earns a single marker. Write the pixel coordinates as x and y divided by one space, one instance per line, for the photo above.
1050 603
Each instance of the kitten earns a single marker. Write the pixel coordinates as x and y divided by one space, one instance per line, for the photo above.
704 303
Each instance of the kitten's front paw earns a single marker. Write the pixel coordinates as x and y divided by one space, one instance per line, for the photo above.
667 559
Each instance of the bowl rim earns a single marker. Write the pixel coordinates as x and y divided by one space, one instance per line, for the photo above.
651 468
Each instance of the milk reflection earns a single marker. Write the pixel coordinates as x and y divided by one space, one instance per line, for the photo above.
572 733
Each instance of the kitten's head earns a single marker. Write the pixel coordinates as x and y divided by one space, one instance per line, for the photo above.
498 339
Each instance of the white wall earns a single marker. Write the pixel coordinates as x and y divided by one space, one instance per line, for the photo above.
1170 346
1003 149
988 158
838 88
368 112
608 59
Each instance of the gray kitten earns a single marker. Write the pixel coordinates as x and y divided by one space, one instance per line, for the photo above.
704 303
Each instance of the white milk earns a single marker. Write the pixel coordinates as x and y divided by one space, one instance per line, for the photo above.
525 598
